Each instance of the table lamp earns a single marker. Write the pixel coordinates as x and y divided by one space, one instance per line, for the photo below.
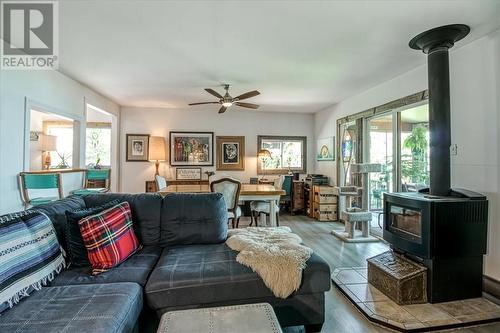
263 154
47 144
157 151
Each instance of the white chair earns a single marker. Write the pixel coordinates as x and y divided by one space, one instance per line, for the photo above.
230 189
161 182
258 207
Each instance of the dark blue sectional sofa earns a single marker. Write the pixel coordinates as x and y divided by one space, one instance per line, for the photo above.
184 264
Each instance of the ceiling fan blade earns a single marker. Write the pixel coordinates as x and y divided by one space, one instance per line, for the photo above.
213 92
203 103
247 95
222 109
247 105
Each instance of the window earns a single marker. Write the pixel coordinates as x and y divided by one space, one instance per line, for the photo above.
63 156
288 153
98 144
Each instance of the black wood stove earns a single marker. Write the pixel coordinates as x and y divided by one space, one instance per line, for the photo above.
442 228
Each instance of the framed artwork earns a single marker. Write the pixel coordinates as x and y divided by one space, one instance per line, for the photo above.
34 136
137 147
191 148
188 173
325 149
230 153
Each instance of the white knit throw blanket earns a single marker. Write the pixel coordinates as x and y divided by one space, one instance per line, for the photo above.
276 254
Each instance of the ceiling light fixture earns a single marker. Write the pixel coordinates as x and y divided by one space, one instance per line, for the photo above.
227 104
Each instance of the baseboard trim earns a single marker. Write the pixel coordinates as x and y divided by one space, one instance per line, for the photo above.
491 286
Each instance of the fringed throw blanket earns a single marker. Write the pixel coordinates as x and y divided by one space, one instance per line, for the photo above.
30 255
276 254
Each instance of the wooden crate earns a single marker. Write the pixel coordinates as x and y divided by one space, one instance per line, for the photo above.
326 212
402 280
325 194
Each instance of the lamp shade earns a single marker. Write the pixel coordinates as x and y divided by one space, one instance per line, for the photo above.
47 142
264 153
157 151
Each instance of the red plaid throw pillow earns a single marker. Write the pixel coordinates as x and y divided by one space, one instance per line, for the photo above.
109 237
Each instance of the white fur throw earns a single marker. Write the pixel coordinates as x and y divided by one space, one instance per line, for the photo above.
276 254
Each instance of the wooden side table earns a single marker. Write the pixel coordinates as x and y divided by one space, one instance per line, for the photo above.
298 193
151 184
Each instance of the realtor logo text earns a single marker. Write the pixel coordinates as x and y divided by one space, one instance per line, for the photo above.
29 35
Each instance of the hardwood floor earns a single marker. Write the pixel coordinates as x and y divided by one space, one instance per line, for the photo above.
341 315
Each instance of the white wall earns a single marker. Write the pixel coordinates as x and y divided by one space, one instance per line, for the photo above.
475 110
49 88
159 122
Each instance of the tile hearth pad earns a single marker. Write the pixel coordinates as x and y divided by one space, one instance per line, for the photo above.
381 310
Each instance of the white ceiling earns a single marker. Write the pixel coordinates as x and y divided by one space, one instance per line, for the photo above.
301 55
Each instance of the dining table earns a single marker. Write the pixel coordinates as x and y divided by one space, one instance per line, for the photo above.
248 192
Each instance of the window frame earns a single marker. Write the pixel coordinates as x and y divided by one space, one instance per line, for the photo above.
78 127
394 107
281 171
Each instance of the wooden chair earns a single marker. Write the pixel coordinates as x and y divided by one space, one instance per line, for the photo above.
258 207
287 187
230 189
92 175
40 183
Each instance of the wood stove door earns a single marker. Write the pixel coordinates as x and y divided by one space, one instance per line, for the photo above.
407 225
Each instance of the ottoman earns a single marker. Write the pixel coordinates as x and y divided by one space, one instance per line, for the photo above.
247 318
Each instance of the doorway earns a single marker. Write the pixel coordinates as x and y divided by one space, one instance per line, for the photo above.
101 142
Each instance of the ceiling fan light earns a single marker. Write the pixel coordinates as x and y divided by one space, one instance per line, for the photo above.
227 104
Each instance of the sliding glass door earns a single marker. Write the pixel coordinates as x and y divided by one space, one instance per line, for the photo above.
414 148
349 139
380 140
398 140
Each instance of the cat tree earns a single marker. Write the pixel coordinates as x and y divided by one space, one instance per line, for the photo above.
355 215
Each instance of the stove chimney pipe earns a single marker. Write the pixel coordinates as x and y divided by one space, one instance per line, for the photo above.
435 43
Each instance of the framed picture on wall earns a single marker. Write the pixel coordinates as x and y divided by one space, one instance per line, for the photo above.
188 173
230 152
137 147
325 149
191 148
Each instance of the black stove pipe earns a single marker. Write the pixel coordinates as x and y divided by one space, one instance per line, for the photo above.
435 43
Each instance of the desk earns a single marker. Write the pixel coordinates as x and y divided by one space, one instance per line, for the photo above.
248 192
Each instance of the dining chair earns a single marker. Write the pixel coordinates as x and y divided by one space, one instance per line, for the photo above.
161 182
230 189
92 175
37 189
259 207
287 187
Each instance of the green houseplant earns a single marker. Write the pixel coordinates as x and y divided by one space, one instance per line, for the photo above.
414 166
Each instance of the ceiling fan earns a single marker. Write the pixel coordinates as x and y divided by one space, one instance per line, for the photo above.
227 101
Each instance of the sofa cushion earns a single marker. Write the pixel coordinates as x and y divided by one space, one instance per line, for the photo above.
188 218
203 274
145 208
109 237
110 308
56 211
77 251
135 269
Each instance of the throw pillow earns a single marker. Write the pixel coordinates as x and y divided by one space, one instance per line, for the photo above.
30 255
109 237
77 251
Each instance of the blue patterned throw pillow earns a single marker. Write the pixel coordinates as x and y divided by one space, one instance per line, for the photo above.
30 255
